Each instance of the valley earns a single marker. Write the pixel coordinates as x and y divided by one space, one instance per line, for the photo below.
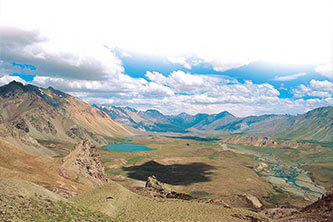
77 159
283 168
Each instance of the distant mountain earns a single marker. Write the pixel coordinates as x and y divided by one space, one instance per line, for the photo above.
150 120
29 113
153 120
314 125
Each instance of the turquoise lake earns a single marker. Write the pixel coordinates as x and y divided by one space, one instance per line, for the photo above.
127 147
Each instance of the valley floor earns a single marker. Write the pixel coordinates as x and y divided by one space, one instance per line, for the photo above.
278 177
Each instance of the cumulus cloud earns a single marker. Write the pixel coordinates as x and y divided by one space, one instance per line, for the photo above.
57 59
289 77
182 82
95 74
315 88
180 91
325 70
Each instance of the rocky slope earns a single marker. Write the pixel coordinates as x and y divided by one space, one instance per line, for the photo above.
29 113
319 211
15 163
316 125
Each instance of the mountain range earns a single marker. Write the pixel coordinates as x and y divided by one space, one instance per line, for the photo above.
29 114
315 125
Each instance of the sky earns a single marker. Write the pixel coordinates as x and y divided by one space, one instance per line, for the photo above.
246 57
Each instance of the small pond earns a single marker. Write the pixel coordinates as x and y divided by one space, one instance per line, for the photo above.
127 147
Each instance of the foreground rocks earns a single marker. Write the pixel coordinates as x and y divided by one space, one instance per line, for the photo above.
158 189
319 211
84 165
324 205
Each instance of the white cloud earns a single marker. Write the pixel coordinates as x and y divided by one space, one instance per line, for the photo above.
325 70
6 79
289 77
55 58
180 60
177 91
322 85
221 63
69 51
315 88
226 33
156 77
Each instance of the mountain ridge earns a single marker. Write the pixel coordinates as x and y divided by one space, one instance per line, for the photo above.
313 125
29 113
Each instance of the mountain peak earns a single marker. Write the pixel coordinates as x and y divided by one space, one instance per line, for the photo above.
223 114
183 114
14 82
11 88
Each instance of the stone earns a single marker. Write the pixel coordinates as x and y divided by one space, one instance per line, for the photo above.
254 201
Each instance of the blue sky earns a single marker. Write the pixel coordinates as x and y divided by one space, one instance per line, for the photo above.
204 56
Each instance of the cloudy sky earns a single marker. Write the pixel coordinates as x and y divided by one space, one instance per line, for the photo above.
246 57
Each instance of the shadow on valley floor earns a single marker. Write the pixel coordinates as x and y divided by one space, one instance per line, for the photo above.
175 174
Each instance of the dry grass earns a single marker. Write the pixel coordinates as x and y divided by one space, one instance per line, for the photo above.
15 163
116 201
24 201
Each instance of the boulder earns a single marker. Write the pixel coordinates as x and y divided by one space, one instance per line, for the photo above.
254 201
260 167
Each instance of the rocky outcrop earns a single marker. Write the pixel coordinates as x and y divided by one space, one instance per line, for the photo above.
278 213
158 189
260 167
21 125
84 165
254 201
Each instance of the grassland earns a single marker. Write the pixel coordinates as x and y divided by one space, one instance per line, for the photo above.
24 201
196 167
205 167
209 169
117 201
